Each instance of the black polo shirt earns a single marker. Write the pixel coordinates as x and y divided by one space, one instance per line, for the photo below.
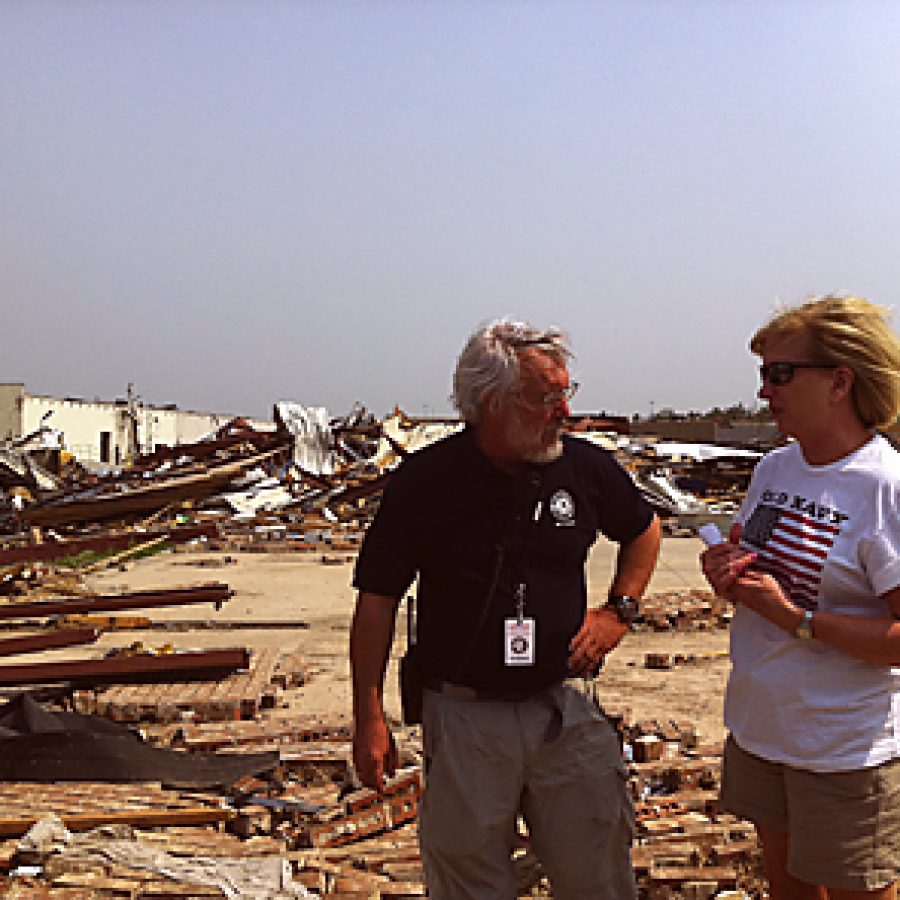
463 526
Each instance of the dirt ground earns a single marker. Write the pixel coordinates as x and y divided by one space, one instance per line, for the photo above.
297 600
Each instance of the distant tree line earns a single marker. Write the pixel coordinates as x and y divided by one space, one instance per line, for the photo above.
737 412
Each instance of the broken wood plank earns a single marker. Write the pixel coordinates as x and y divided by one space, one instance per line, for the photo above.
147 818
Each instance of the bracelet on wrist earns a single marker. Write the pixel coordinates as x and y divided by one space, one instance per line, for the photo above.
804 630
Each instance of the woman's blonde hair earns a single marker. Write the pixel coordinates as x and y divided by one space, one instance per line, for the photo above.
851 332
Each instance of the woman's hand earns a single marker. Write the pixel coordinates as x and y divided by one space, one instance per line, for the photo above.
729 570
764 595
725 563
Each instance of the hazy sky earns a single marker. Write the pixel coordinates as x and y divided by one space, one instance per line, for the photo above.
231 203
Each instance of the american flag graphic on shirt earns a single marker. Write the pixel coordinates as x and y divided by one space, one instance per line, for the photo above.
792 548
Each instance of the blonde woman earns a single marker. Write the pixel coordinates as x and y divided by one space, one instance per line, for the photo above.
813 566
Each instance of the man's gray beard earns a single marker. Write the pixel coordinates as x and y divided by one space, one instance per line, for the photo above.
528 448
546 454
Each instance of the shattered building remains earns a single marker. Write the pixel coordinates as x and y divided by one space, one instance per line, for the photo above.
104 431
154 771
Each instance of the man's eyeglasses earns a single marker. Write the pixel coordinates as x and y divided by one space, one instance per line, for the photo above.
782 372
553 399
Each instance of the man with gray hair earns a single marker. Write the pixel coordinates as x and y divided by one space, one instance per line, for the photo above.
496 523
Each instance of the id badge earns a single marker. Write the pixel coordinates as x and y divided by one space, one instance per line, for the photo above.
518 642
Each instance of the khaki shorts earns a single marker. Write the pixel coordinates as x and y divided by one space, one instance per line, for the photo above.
843 827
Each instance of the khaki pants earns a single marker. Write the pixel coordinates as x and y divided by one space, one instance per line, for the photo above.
552 758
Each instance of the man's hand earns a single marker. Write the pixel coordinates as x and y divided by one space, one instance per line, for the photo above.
600 632
371 632
374 753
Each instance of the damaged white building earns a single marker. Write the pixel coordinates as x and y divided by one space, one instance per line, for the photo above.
104 431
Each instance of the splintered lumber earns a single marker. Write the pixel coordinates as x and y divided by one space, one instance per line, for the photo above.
723 877
86 882
244 435
148 818
202 593
105 623
86 804
303 730
67 637
142 667
143 499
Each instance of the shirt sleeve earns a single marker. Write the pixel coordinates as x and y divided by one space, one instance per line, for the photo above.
880 553
387 560
624 514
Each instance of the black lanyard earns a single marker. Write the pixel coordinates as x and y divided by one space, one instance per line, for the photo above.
511 547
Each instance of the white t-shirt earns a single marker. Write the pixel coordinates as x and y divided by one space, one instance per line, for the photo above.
831 535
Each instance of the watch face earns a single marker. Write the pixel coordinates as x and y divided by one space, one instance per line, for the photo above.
626 607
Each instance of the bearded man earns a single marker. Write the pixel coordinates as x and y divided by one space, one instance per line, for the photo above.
496 523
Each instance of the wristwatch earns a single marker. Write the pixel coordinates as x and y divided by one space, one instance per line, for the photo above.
804 629
625 607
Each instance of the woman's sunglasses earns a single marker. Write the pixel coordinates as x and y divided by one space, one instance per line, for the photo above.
782 372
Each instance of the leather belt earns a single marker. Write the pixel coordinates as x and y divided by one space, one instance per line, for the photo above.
461 692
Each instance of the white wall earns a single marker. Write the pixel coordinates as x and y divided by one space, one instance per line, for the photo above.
183 426
83 422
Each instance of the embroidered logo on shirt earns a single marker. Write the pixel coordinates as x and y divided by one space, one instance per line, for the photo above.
562 507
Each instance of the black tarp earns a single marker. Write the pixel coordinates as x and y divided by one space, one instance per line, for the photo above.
39 744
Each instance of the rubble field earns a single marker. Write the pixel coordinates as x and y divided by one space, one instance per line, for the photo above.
291 611
175 688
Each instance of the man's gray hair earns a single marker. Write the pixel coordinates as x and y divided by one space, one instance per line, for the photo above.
489 365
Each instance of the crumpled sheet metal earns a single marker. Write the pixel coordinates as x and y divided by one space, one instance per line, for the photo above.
313 441
411 438
17 467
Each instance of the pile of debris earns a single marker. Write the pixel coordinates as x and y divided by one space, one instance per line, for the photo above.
309 484
689 485
181 774
308 481
296 824
685 610
155 772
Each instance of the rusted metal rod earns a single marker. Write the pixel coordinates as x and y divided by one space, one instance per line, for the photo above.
48 640
133 668
101 543
204 593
